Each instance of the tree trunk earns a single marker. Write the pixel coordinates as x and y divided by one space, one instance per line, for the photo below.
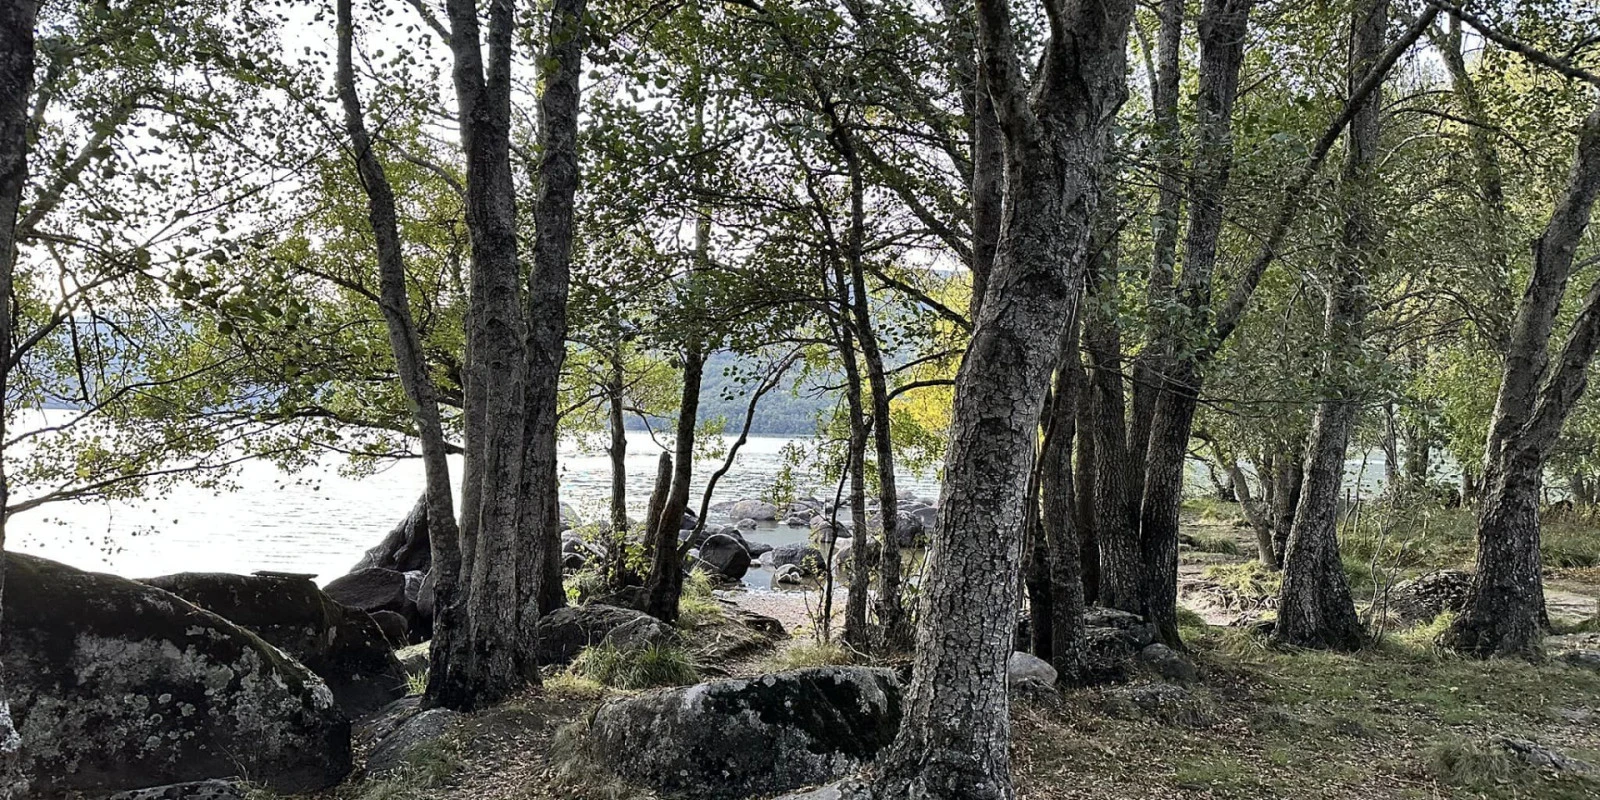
1085 471
1265 552
857 636
1290 478
1149 368
1223 31
17 21
446 652
1057 511
656 536
1315 608
666 571
617 571
495 364
545 310
954 736
1505 611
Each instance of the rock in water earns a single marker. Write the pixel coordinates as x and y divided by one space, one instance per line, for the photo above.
753 509
726 555
345 647
803 556
747 737
117 685
565 632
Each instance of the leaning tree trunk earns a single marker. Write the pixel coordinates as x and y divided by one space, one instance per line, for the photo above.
1315 608
666 570
545 310
495 364
1504 613
16 82
954 736
446 652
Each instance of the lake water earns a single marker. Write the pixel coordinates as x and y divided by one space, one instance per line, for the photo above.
321 521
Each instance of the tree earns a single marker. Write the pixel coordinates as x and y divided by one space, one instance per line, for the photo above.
1315 608
16 83
954 737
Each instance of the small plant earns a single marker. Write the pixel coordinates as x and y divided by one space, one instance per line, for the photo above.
417 683
635 668
809 654
1215 543
696 605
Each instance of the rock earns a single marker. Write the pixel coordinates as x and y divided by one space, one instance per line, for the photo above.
1587 659
788 575
371 589
425 598
570 518
758 510
757 549
1538 756
572 562
565 632
394 627
369 731
1427 596
348 649
414 659
798 520
1026 672
1168 663
117 685
909 531
746 524
746 737
690 519
927 516
405 548
1111 640
1138 632
1163 702
807 558
197 790
726 555
394 750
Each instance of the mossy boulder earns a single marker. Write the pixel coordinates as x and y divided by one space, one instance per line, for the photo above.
746 737
345 647
118 685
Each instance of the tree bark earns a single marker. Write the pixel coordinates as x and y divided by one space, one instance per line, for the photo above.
495 364
856 633
617 571
446 652
1058 508
1504 613
1290 478
545 310
954 737
666 571
1223 28
17 20
1315 608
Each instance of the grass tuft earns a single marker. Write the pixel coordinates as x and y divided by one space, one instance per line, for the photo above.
809 654
635 668
1216 543
1251 580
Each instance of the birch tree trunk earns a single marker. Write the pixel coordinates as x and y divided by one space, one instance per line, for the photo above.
17 21
954 737
545 309
1223 28
495 366
1315 608
1504 613
446 652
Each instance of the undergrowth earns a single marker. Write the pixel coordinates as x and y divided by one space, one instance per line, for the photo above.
635 668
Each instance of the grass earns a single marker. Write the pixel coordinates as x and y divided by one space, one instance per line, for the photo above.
416 684
696 606
804 654
635 668
427 767
1250 580
1216 543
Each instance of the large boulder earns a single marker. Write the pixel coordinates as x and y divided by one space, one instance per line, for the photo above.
746 737
406 548
565 632
758 510
806 558
370 589
726 555
345 647
117 685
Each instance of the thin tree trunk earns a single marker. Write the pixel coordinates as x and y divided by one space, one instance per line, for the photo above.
17 21
617 570
1315 608
1117 564
656 536
856 633
1085 471
446 652
495 365
1265 552
1150 366
1223 27
1290 478
1057 489
545 310
1504 613
954 736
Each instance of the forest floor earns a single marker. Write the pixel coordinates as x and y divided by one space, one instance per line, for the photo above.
1399 720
